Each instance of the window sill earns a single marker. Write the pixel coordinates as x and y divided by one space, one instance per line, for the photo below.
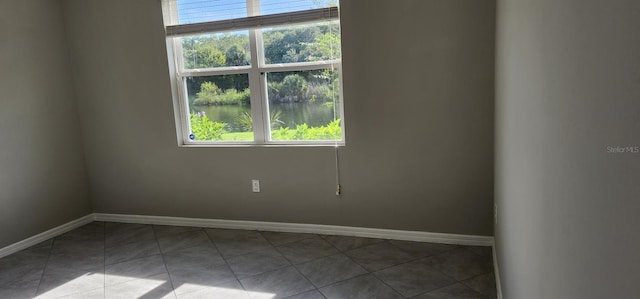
271 144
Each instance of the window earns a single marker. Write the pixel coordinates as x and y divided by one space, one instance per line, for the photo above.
255 72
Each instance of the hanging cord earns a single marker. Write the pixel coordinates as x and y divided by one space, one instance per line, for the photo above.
338 191
335 113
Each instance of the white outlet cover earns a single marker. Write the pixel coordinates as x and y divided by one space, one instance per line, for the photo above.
255 185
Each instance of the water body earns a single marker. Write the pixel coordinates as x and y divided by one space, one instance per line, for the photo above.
291 114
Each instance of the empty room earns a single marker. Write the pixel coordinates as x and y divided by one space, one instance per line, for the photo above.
430 149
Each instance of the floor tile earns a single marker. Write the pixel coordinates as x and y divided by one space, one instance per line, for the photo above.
47 243
482 250
164 230
205 256
59 284
279 238
116 260
379 256
158 286
257 262
484 284
344 243
306 250
93 294
362 287
327 270
20 290
91 231
26 256
237 242
313 294
422 249
23 266
21 273
460 264
131 251
197 278
229 290
414 278
134 269
119 234
276 284
456 291
73 264
93 248
187 239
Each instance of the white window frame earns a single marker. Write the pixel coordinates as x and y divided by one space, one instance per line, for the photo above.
256 73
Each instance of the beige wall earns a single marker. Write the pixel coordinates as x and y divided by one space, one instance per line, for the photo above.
418 92
568 87
42 173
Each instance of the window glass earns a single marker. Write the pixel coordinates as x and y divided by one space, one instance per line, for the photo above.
216 50
302 43
280 6
304 105
197 11
219 108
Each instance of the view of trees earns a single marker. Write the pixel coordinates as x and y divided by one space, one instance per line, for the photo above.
302 43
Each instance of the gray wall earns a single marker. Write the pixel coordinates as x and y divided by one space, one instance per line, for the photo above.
42 173
568 87
418 92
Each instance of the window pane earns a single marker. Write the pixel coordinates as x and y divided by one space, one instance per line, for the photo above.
219 108
305 105
302 43
216 50
268 7
197 11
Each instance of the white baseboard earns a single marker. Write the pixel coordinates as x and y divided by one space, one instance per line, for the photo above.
41 237
256 225
496 271
303 228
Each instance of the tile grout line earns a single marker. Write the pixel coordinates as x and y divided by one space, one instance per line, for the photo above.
45 266
335 282
104 260
431 291
225 260
295 266
164 262
407 262
457 281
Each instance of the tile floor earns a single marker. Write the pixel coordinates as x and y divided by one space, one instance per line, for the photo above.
117 260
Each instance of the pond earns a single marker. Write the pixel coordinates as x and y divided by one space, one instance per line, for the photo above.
291 114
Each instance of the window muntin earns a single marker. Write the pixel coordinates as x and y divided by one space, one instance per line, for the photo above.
303 57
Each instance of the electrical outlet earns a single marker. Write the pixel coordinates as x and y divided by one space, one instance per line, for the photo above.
255 185
495 213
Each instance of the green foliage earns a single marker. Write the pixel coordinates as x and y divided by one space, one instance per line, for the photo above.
294 85
331 131
273 89
203 56
246 122
205 129
236 56
324 47
275 119
211 94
